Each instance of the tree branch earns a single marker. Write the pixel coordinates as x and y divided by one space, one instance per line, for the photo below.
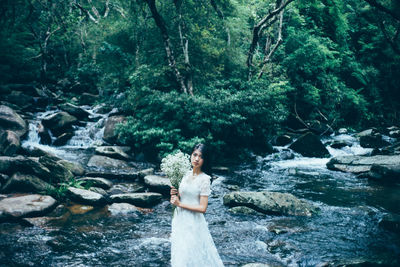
257 30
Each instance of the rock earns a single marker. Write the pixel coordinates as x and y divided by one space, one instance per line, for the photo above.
116 152
342 131
367 132
20 99
124 188
143 173
10 120
37 153
59 123
158 184
44 135
309 145
131 175
96 182
88 99
390 174
73 167
391 222
26 183
26 206
9 143
273 203
3 178
110 134
373 141
75 111
86 196
99 190
122 208
244 210
361 164
233 187
11 165
103 162
63 139
138 199
282 140
58 172
340 144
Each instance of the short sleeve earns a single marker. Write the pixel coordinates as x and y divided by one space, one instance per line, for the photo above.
205 186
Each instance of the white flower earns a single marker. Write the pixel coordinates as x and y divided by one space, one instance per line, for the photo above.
175 167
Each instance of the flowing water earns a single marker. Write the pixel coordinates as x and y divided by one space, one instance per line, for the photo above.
345 231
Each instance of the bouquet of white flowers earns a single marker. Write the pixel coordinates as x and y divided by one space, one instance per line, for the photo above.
175 167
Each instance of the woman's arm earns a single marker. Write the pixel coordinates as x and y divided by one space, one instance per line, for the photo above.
202 207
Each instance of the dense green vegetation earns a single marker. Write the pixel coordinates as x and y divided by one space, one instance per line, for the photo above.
229 72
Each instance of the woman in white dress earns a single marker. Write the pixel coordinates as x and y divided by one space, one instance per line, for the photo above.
191 241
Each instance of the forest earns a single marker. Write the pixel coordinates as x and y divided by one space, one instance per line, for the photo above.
231 73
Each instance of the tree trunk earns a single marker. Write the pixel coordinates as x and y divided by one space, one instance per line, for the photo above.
167 43
185 48
265 22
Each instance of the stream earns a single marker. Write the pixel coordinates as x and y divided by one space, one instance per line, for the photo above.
344 232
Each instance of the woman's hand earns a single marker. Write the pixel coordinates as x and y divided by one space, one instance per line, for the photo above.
175 200
174 191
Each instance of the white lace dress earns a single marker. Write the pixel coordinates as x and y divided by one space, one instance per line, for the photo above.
191 241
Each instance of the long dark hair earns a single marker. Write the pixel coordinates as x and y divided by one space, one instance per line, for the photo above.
205 152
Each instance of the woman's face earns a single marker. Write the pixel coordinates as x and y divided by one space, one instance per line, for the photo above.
197 159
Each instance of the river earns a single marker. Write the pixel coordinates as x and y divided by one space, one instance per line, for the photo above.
345 231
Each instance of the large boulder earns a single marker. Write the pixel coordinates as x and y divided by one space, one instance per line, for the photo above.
117 152
26 183
75 168
281 140
44 135
75 111
102 162
59 123
26 206
388 173
391 222
10 120
373 141
23 101
58 172
63 139
86 196
9 143
138 199
361 164
273 203
110 134
11 165
158 184
309 145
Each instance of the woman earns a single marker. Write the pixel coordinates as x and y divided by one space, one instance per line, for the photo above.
191 241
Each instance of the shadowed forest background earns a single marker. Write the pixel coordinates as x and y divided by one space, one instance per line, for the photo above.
228 72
